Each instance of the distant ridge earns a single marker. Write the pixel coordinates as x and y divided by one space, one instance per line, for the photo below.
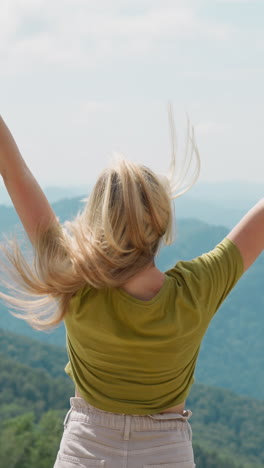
242 194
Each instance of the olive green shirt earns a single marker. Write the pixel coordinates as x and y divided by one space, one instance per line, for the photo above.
138 357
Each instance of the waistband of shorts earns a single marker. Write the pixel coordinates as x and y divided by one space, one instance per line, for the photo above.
81 410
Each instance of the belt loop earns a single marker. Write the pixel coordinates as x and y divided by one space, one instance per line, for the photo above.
187 414
66 418
169 416
127 426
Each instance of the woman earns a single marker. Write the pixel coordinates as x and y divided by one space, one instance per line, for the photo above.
133 332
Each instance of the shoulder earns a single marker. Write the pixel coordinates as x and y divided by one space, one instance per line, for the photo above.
224 255
210 277
218 271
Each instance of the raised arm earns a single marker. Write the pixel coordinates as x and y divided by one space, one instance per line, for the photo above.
29 200
248 234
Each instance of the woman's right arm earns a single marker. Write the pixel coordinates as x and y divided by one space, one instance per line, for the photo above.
248 234
28 198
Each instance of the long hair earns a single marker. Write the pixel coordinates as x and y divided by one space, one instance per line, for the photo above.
126 218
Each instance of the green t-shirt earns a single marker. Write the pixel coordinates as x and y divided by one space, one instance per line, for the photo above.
138 357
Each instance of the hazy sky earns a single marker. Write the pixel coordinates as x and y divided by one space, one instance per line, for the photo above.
82 78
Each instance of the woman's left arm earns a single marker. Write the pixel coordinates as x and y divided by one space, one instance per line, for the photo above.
28 198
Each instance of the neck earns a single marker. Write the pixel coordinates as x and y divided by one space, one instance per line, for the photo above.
146 283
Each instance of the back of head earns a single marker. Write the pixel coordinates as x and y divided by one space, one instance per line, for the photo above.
127 214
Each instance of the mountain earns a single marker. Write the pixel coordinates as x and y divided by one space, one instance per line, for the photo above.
50 358
52 193
238 194
210 212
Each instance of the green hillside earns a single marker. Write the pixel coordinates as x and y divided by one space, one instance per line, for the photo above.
33 353
33 401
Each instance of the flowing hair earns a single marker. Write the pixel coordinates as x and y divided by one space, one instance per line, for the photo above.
126 218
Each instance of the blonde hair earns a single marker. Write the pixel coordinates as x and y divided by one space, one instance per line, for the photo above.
118 233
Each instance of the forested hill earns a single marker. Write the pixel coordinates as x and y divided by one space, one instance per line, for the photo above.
34 398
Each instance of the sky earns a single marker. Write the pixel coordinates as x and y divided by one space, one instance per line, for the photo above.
83 78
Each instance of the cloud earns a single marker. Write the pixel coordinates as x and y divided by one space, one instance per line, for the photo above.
205 128
84 34
240 1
